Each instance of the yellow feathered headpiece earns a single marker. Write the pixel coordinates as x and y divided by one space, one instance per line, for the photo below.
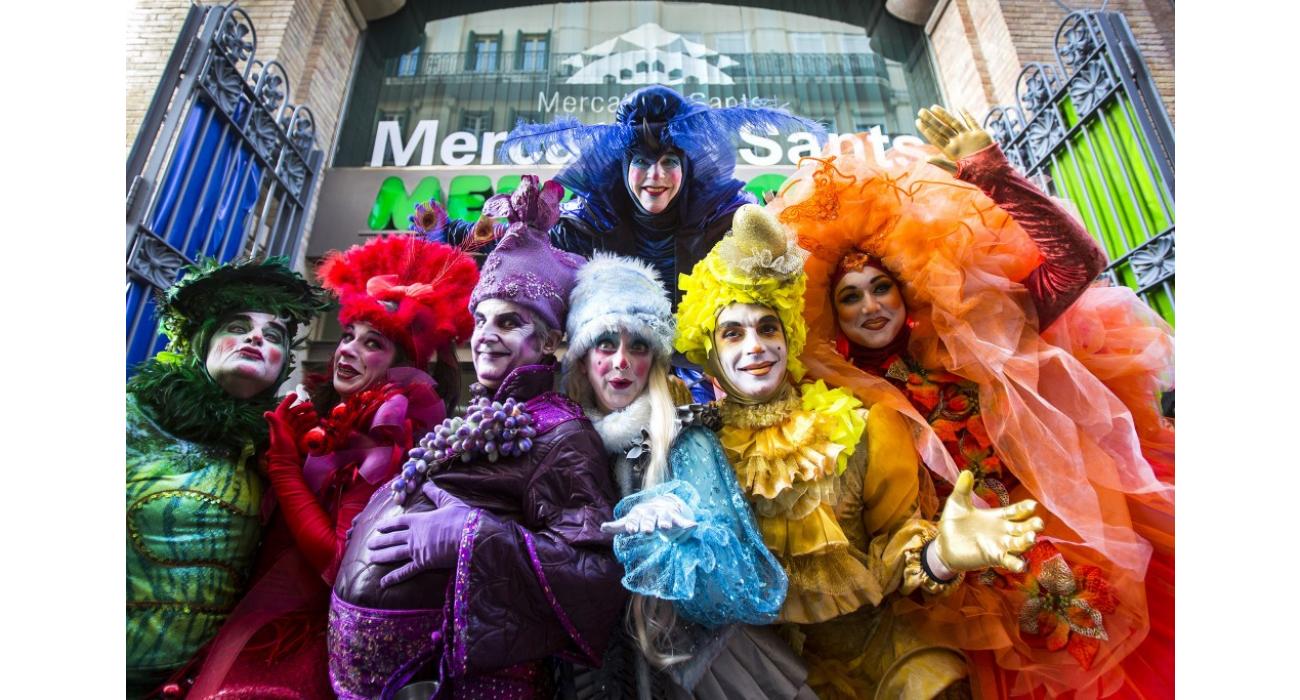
759 263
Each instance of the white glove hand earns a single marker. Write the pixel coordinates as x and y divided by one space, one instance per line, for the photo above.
663 512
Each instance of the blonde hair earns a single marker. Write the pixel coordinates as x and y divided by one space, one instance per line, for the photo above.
650 620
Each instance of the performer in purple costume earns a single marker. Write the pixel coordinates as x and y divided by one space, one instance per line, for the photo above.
485 556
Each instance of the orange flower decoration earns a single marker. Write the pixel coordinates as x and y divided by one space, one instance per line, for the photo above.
1064 607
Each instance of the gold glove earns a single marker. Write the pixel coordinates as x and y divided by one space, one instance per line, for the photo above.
973 538
957 138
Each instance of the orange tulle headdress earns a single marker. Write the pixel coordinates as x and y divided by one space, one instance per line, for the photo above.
1071 412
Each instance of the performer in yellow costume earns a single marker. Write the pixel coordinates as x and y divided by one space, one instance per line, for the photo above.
834 486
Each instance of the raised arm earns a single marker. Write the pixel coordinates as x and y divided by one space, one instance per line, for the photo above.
566 234
312 528
1071 258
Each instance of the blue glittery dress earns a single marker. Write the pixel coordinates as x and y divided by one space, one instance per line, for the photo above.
699 568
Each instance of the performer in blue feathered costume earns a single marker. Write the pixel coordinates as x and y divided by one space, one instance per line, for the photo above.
658 184
704 582
609 213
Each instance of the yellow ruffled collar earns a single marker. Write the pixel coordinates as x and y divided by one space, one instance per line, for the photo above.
794 438
762 415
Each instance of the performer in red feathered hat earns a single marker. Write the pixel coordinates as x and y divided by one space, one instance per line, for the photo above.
404 300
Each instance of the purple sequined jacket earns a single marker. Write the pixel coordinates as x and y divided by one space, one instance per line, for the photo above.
535 575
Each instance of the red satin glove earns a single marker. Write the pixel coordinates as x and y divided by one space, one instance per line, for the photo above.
312 528
283 425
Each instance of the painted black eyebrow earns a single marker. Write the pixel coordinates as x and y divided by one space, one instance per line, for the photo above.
245 317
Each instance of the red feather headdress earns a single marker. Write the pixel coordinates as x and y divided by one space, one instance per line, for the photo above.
413 290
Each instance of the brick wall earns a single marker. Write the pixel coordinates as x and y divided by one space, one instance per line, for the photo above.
313 39
981 45
959 60
151 29
999 50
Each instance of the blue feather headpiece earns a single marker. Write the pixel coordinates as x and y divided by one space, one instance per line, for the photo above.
653 119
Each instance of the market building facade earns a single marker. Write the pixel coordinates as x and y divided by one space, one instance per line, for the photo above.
410 100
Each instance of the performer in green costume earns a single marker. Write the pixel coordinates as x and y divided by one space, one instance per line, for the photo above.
193 420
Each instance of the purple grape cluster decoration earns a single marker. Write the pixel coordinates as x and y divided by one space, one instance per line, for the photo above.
489 429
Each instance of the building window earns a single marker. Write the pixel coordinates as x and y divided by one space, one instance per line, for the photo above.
806 42
865 118
528 117
855 43
533 50
476 122
731 42
808 54
827 122
484 51
408 64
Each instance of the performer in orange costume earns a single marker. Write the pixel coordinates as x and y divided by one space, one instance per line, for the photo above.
967 309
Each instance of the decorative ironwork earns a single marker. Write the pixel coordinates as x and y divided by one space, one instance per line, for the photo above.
1089 86
1034 87
268 88
233 112
224 83
1093 128
1074 42
237 37
264 133
1043 134
270 92
1154 261
294 172
301 128
1005 124
155 262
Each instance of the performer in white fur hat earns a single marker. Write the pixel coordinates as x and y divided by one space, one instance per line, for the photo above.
680 510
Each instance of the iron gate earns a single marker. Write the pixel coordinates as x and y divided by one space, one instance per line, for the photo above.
1092 129
223 165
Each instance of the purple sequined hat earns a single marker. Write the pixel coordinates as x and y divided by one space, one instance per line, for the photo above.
524 267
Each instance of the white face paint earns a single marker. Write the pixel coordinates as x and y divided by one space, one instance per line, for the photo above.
869 307
655 183
618 367
247 352
505 338
750 343
362 358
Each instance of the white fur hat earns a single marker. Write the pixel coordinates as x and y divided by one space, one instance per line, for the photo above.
612 293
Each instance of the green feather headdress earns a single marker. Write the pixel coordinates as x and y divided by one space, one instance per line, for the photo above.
174 387
191 308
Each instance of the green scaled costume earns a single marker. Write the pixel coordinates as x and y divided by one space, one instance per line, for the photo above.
193 496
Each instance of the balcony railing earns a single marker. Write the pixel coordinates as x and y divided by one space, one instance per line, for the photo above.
539 66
